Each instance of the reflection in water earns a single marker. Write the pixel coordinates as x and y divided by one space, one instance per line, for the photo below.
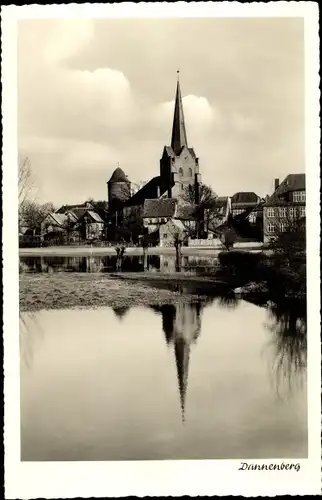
108 263
181 324
93 394
120 312
289 329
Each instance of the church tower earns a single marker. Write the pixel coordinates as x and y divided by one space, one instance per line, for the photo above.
179 166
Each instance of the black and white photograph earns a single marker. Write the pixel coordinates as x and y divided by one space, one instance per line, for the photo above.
163 219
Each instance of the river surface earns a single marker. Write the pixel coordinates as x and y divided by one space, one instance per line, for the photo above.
108 263
183 381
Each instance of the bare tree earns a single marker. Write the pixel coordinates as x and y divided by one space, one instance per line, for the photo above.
26 183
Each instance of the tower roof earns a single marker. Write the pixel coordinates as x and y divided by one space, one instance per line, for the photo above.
118 176
179 136
182 354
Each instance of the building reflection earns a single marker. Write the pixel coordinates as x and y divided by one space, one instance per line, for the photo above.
120 312
181 325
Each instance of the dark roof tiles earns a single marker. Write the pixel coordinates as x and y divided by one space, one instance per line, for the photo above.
162 207
118 176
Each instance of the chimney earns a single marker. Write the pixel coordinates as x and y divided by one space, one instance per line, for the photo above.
197 194
277 183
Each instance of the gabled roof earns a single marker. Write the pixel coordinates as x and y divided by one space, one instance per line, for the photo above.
245 197
118 176
293 182
160 207
94 216
58 218
186 212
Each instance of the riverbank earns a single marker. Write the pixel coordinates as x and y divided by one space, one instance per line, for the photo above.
100 251
66 291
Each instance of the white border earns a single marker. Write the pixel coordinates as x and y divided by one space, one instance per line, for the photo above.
154 478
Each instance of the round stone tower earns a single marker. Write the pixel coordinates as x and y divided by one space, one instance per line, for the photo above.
119 188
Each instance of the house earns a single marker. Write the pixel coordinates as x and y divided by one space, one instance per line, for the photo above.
285 206
169 217
59 228
244 200
170 231
90 225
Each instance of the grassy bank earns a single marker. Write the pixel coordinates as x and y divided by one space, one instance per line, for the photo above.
62 291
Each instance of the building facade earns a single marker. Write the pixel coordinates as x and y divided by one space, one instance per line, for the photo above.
286 207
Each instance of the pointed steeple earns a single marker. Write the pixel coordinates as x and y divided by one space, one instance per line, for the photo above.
182 354
179 136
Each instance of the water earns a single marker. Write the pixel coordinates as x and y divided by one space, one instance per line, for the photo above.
184 381
107 264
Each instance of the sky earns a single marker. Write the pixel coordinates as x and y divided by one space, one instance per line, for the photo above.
95 93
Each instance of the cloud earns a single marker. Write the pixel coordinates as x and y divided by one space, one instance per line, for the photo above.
92 93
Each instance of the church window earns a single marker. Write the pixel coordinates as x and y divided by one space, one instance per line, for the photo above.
190 172
180 171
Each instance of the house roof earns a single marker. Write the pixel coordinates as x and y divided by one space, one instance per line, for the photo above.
244 197
186 212
292 182
161 207
59 218
74 208
221 201
95 216
118 176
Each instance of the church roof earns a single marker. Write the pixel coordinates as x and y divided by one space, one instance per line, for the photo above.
151 189
179 136
160 207
118 176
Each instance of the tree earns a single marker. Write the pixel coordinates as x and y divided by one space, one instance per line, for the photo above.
207 210
32 214
206 194
289 239
228 238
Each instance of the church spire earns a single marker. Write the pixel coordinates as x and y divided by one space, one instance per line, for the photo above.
182 354
179 136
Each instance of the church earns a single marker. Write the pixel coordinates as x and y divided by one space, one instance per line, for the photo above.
179 168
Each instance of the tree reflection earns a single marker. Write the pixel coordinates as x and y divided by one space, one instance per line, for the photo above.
30 331
289 328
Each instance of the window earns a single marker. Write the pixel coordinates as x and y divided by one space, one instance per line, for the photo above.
302 212
165 236
180 171
271 228
182 187
282 228
252 218
299 196
190 172
292 212
282 212
270 212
